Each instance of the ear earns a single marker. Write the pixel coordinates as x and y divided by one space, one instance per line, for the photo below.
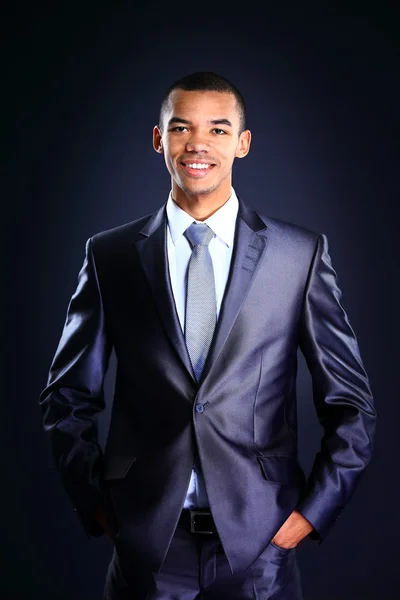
157 139
243 146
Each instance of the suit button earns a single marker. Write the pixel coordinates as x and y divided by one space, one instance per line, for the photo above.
199 408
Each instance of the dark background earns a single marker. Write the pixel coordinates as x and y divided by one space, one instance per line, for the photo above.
323 106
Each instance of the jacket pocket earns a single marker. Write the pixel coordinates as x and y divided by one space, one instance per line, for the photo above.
281 469
117 467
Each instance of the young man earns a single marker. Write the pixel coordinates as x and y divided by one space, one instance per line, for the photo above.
206 303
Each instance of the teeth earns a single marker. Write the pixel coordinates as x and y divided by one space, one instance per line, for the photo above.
197 166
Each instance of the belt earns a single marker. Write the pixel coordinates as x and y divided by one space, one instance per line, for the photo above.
197 521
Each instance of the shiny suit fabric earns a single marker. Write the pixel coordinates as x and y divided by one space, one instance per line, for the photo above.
197 569
282 296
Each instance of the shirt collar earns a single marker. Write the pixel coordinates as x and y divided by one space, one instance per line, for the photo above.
222 222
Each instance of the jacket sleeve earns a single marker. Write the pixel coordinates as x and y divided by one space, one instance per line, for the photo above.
74 395
342 397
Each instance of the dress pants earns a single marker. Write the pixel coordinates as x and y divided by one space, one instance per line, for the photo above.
196 568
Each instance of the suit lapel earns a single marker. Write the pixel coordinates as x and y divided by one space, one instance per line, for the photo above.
249 245
153 253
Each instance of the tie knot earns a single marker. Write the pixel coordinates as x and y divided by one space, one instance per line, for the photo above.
199 233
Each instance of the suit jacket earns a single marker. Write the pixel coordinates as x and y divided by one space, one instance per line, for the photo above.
281 295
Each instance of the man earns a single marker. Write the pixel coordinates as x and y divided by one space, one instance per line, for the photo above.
206 303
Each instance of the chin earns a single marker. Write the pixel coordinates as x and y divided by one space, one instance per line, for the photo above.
199 189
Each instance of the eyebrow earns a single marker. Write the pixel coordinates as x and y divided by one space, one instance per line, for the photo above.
212 122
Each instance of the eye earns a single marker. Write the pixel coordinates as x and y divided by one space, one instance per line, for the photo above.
179 128
219 131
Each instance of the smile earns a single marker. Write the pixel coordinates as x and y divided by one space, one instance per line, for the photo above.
197 169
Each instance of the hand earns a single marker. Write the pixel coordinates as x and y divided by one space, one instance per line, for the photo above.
294 529
100 517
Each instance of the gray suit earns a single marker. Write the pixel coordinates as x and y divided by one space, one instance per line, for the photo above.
281 295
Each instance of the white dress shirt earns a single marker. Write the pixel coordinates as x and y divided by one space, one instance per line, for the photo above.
222 223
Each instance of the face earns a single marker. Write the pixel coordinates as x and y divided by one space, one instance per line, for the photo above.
200 140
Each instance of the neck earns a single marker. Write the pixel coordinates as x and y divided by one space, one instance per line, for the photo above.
200 206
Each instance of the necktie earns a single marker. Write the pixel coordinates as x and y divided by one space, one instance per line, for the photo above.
201 311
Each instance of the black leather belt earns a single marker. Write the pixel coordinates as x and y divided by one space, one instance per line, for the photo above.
197 521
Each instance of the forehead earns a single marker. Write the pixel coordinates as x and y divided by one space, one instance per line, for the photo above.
202 105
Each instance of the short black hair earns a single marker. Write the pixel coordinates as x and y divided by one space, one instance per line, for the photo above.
208 82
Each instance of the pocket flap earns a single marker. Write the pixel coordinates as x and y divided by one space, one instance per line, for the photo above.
281 469
116 467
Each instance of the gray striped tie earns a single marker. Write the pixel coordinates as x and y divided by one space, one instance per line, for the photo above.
201 310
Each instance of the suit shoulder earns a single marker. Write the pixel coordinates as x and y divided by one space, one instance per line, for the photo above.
291 229
122 234
290 233
289 242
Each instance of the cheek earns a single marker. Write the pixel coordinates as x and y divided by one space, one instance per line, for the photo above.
167 155
227 157
170 154
227 151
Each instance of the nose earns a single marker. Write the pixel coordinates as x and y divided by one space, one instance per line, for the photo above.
197 143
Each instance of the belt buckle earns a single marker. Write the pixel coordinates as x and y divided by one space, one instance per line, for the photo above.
193 514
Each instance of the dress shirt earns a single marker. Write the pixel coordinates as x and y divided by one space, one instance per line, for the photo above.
222 223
